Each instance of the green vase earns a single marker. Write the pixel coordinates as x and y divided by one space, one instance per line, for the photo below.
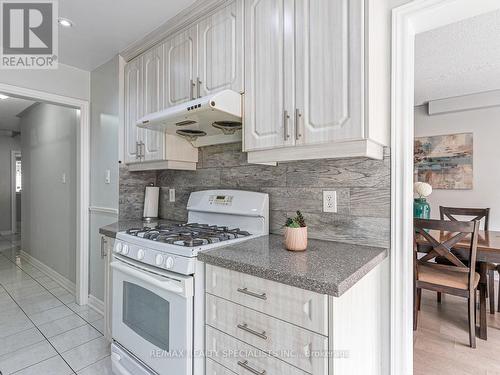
421 209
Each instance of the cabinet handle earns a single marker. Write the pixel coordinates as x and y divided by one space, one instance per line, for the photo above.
298 122
247 367
252 294
198 87
286 117
143 150
244 327
137 151
191 89
103 242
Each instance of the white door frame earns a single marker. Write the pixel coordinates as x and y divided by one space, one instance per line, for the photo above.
13 201
83 179
408 20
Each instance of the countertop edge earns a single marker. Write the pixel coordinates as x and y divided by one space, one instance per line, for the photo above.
301 282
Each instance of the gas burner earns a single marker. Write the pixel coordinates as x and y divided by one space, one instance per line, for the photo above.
188 234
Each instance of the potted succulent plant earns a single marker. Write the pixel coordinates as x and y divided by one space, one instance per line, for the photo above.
295 235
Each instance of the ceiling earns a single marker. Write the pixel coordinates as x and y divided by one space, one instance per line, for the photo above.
458 59
102 28
9 109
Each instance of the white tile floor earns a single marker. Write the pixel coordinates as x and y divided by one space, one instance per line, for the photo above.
42 330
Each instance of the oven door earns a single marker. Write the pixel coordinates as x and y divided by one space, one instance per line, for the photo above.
153 315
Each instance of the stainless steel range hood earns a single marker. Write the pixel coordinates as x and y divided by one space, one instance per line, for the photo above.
213 119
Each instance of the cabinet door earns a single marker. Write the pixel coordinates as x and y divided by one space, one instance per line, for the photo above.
180 67
133 109
269 74
153 71
220 50
329 70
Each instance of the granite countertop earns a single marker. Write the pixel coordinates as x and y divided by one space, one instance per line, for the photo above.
326 267
122 225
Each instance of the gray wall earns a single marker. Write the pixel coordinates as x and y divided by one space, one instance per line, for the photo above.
362 185
48 146
7 144
104 156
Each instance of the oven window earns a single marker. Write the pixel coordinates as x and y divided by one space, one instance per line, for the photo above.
147 314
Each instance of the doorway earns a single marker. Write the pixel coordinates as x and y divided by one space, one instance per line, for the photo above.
408 21
81 150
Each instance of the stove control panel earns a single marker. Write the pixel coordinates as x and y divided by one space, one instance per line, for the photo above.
220 200
171 262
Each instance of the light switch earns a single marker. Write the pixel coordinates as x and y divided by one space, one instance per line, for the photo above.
171 195
107 180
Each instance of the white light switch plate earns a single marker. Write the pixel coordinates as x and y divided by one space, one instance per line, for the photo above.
171 195
329 201
107 179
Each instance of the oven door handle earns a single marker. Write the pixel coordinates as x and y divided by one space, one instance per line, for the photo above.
160 282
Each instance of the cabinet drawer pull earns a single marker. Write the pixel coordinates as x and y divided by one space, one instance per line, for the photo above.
244 327
137 152
298 117
286 117
103 242
198 87
253 294
247 367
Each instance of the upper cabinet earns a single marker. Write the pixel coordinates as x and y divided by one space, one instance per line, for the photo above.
181 67
305 81
220 50
201 59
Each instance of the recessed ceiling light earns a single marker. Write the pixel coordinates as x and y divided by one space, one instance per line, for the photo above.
3 97
64 22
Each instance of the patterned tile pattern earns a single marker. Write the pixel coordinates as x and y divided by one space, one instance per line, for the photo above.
362 185
42 330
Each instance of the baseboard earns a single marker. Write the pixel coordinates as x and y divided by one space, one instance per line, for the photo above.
57 277
96 304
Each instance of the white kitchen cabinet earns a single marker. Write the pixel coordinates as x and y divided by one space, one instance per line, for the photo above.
153 93
269 106
181 66
265 321
107 244
305 81
220 50
133 110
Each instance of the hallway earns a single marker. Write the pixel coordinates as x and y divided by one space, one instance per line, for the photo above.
42 329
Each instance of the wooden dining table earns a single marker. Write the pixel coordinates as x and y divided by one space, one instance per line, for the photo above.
488 250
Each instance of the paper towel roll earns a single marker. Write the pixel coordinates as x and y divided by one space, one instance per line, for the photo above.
151 202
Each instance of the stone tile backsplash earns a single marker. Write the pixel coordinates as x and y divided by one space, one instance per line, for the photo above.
362 185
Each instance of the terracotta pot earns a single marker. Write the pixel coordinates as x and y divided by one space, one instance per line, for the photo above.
295 238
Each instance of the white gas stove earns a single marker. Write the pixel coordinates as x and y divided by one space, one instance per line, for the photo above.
158 283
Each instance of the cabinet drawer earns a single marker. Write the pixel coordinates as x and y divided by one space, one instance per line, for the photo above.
213 368
298 306
244 359
289 343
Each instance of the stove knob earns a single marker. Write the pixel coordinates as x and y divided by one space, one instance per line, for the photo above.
125 250
118 248
159 260
140 254
169 262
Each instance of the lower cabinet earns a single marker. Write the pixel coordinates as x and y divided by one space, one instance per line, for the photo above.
107 244
258 326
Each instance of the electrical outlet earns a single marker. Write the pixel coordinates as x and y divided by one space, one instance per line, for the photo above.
329 201
171 195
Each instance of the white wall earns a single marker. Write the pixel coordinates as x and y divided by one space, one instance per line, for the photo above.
485 126
49 149
104 156
7 144
66 80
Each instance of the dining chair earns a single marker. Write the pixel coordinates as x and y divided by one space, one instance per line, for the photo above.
455 278
451 213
